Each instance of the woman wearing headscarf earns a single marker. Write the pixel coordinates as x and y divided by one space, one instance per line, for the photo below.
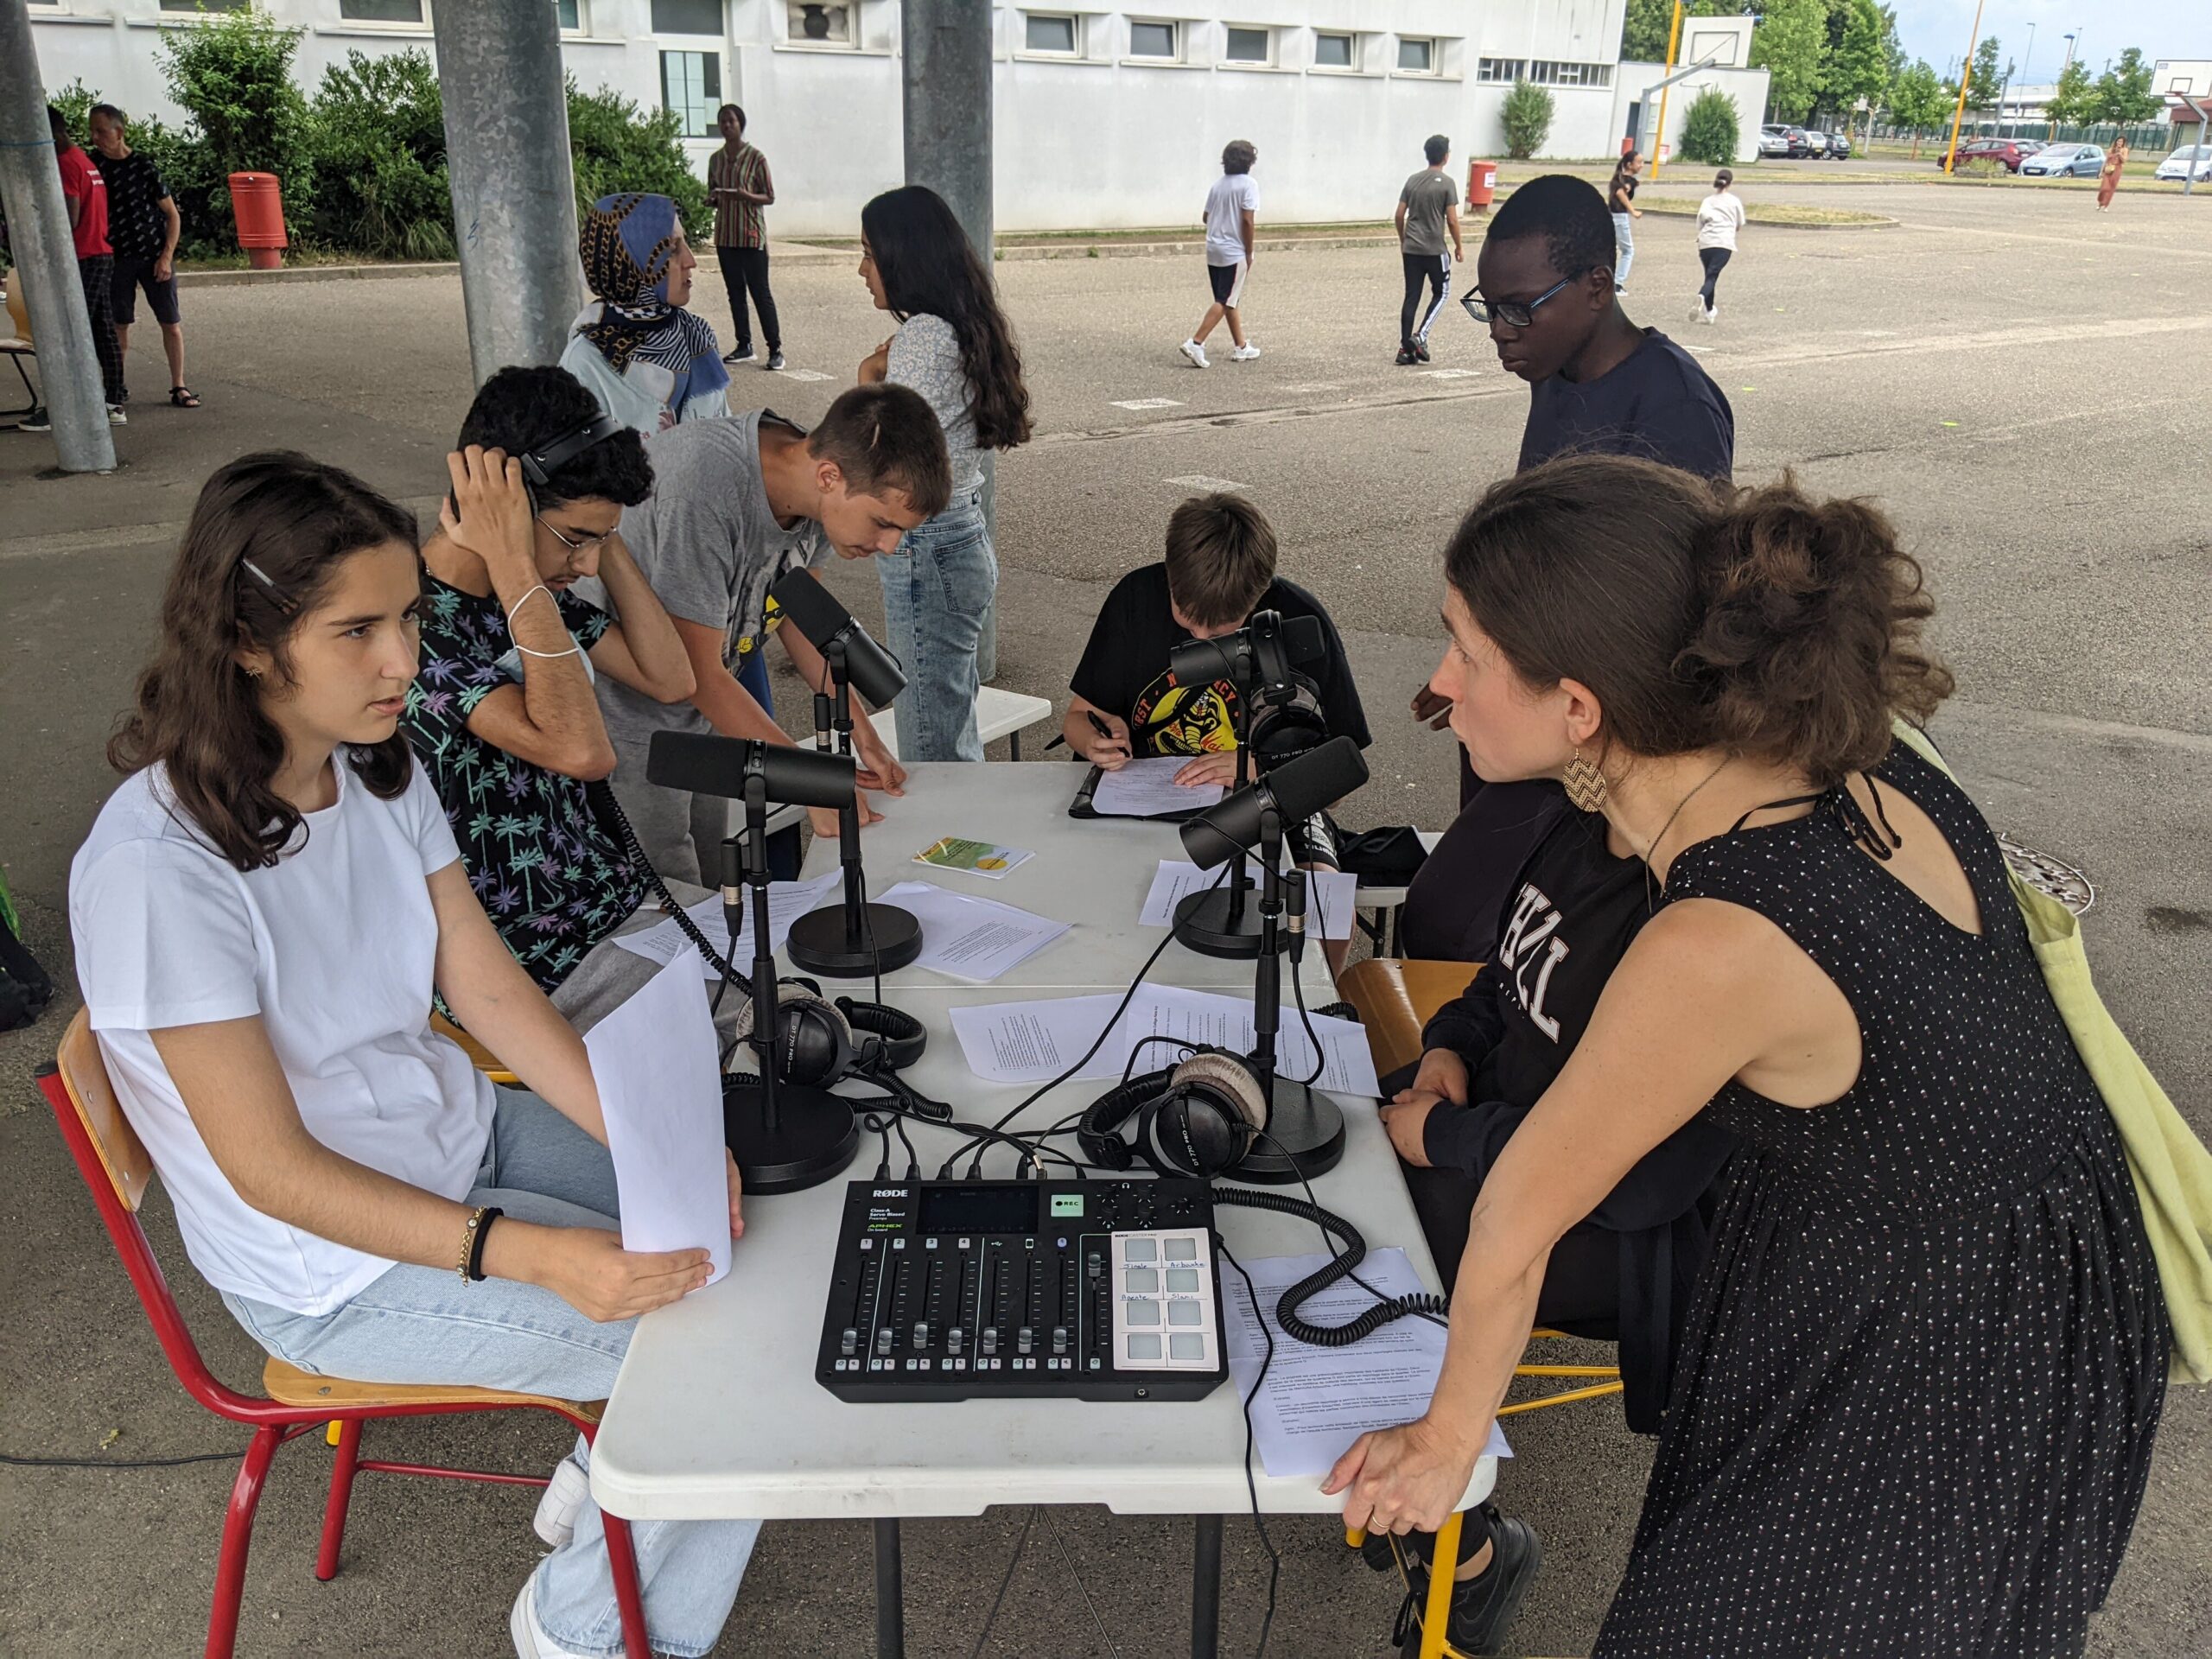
650 362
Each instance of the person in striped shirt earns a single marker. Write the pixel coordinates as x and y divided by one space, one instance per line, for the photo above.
739 187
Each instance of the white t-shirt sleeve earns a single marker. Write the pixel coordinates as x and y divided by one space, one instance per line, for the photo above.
1248 193
172 940
425 815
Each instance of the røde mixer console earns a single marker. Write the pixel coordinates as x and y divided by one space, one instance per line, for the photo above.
1082 1290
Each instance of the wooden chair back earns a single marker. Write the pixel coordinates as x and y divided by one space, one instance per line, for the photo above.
1395 998
83 1075
18 311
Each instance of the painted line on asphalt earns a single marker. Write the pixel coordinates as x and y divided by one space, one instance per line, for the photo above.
1145 403
1216 486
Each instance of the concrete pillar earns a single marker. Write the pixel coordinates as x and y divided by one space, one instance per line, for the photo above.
46 254
514 191
946 77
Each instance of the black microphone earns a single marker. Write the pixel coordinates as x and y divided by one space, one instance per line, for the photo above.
705 763
872 670
1261 652
1296 790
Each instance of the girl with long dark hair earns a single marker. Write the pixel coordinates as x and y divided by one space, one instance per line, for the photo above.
262 913
955 347
1924 1361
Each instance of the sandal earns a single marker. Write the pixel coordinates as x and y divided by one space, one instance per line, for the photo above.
182 397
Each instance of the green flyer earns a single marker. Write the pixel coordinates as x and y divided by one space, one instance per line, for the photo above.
976 857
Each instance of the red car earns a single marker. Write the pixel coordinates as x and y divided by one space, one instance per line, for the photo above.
2007 150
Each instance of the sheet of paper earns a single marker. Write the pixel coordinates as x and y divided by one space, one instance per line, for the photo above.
983 858
1146 788
1029 1042
660 1088
1314 1402
1329 906
970 937
787 901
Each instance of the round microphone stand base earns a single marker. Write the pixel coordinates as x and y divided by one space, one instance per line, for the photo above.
1304 1138
1222 922
816 1136
838 944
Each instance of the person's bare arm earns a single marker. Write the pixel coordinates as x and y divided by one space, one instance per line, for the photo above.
640 650
879 768
1459 248
1108 754
1691 1005
1398 221
172 228
1247 228
552 718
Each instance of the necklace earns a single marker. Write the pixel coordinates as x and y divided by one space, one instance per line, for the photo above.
1649 896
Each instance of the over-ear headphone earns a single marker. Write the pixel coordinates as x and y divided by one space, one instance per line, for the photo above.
1284 729
539 465
819 1042
1200 1118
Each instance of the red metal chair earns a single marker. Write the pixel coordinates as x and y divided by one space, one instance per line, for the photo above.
113 1161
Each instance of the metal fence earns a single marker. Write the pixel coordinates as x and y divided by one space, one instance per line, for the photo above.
2153 138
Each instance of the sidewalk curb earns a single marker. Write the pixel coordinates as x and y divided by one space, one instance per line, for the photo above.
315 274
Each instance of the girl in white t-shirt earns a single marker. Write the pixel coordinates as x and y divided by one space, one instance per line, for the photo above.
261 913
1719 216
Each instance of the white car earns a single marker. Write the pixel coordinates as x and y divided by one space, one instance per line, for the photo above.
2189 159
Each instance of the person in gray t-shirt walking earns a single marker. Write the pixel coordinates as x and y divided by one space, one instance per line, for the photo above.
1428 217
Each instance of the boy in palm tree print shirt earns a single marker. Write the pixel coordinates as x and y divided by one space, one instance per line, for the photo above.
552 881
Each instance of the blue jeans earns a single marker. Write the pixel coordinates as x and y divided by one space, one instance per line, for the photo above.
937 589
1624 248
422 1325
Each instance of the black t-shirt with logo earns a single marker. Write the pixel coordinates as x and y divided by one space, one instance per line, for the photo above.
135 228
1124 671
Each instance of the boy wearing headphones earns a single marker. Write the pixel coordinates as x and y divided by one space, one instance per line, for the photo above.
502 715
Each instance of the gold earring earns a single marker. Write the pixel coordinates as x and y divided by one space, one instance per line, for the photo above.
1586 785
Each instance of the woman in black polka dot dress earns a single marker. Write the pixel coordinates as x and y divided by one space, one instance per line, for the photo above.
1921 1375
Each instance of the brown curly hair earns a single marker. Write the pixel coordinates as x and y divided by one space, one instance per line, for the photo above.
1759 622
266 536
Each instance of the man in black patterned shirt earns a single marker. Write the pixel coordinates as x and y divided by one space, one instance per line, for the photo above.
143 227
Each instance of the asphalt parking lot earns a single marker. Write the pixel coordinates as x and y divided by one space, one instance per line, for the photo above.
2019 381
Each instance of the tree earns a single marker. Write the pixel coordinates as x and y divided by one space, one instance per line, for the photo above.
1860 66
2123 92
2073 101
1985 80
1528 118
1789 43
1645 29
1709 129
233 75
1917 101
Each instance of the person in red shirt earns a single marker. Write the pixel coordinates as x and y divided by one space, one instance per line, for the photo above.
84 193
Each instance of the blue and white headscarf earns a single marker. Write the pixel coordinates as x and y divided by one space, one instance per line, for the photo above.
627 245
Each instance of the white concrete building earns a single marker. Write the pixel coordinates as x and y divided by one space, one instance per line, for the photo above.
1107 114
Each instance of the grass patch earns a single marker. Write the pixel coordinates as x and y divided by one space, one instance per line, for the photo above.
1770 213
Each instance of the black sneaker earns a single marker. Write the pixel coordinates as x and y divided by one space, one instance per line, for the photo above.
1407 355
775 360
1484 1608
37 421
1421 351
738 354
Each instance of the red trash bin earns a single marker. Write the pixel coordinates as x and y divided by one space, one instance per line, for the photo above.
258 203
1482 185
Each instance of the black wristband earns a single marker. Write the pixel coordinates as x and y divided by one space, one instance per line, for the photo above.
482 1230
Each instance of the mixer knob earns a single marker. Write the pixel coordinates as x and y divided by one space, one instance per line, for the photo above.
848 1340
883 1340
921 1333
1023 1340
952 1340
1059 1338
990 1338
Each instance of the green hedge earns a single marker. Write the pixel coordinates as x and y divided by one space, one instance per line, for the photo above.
1709 131
363 163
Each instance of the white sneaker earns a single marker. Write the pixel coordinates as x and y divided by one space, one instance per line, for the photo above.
1697 307
556 1520
116 416
1713 312
1245 353
529 1638
1195 353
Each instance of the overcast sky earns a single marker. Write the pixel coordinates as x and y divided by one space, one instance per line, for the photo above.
1937 29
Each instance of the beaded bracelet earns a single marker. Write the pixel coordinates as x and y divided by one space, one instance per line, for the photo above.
471 1265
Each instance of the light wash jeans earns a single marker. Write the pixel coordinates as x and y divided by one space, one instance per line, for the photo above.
422 1325
1624 248
937 589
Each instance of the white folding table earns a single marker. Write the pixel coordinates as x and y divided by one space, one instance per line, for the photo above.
716 1413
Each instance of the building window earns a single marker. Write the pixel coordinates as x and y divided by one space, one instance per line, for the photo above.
1154 40
1250 46
571 14
381 11
1416 56
1545 72
827 24
688 17
1053 35
1499 70
691 90
1332 51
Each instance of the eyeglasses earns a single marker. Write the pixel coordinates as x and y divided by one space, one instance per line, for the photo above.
582 543
1512 312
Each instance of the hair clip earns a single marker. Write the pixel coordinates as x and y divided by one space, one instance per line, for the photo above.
275 594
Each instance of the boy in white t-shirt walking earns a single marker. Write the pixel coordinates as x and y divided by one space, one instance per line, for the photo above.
1230 206
1719 216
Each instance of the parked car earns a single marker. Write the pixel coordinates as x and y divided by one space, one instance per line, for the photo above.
2064 161
1839 146
1774 141
2007 150
1816 143
2190 159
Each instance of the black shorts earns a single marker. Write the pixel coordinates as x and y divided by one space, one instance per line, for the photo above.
1228 282
131 276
